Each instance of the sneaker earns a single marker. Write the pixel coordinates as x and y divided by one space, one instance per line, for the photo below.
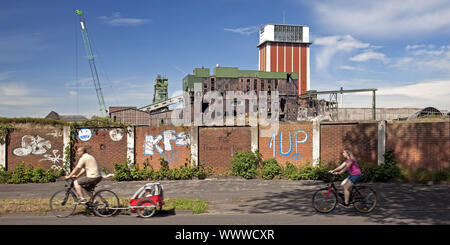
81 201
345 205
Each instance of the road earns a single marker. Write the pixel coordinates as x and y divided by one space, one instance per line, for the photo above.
233 201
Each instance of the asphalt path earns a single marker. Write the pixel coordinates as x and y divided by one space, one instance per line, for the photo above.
234 201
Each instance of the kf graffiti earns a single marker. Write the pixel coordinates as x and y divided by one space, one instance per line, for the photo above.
296 138
152 144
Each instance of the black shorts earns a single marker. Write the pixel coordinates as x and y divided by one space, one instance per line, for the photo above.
88 183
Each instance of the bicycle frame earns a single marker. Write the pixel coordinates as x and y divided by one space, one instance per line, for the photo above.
332 187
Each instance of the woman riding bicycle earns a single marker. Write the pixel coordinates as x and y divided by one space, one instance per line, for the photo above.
353 169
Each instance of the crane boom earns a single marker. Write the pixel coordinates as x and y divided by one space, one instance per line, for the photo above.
87 45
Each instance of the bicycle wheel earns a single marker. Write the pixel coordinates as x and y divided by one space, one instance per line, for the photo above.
149 210
105 203
63 203
324 200
364 199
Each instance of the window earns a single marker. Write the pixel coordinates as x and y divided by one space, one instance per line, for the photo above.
212 84
255 85
248 85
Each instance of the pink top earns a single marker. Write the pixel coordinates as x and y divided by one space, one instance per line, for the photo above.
354 167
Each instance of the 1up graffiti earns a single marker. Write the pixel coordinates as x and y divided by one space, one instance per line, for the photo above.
300 137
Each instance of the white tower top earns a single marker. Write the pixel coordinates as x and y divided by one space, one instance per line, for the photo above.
284 33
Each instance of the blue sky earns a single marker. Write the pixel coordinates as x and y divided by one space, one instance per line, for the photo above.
399 47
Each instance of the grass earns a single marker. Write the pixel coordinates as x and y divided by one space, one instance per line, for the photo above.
40 206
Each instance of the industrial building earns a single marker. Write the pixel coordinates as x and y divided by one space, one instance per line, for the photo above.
285 48
225 79
284 66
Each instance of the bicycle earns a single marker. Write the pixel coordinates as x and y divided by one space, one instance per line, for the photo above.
104 202
363 198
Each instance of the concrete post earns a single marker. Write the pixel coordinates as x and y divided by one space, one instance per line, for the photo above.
381 141
3 155
66 143
194 146
316 143
130 146
254 138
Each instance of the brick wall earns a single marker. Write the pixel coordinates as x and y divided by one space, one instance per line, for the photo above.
420 145
295 140
35 145
217 145
169 142
360 138
107 145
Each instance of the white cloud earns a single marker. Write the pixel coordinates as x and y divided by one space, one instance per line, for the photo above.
423 90
418 95
331 45
19 94
117 20
244 30
427 58
370 55
383 18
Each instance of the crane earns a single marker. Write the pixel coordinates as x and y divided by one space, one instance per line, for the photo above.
87 45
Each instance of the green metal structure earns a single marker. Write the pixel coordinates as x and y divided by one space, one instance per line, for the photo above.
160 92
87 45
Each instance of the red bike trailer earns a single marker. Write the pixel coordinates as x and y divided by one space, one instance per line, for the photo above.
147 200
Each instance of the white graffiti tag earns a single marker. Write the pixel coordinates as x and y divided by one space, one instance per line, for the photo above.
54 159
151 142
32 145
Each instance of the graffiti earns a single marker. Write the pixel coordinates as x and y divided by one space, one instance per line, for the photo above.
152 144
171 156
32 145
54 159
116 134
56 133
300 137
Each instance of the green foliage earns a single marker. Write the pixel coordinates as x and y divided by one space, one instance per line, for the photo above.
308 172
122 172
422 175
23 174
245 164
291 172
389 170
38 121
4 130
271 169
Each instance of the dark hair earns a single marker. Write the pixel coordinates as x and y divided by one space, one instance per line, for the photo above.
82 149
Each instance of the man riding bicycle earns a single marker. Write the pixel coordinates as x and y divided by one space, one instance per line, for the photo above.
354 171
88 164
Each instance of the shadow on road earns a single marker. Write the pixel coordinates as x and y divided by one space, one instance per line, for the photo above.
397 204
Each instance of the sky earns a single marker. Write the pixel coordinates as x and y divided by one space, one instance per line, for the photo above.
399 47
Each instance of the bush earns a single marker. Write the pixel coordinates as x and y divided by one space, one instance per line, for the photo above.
122 172
4 175
291 172
270 169
308 172
23 174
422 175
245 164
